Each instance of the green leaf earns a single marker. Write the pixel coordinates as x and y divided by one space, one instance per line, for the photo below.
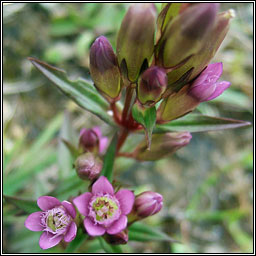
28 206
199 123
109 159
108 248
82 92
147 118
77 242
139 231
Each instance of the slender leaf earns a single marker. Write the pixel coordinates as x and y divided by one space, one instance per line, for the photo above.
83 93
109 159
27 206
139 231
199 123
108 248
147 118
77 242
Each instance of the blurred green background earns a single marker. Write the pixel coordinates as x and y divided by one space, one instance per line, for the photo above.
207 186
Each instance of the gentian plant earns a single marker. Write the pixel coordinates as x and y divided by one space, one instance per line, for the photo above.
159 73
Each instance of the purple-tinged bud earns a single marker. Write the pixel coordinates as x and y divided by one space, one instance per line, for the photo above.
162 145
135 42
206 87
104 68
183 36
147 204
88 166
120 238
152 84
92 140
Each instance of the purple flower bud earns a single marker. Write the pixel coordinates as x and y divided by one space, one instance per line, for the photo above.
152 84
135 42
206 87
162 145
148 203
88 166
92 140
104 67
120 238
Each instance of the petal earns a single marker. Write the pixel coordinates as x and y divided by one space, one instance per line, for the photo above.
103 144
71 233
33 222
47 240
82 203
70 208
47 202
102 185
126 200
118 225
83 130
92 229
97 131
220 88
202 91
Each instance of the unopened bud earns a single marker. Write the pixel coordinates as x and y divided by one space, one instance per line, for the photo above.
104 68
88 166
206 87
120 238
152 85
147 204
162 145
135 42
183 36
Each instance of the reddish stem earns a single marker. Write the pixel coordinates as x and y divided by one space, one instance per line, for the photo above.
123 136
116 114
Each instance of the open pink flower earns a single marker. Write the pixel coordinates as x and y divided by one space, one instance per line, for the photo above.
56 220
105 210
206 87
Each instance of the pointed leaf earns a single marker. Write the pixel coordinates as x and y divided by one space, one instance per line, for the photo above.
200 123
147 118
139 231
28 206
82 92
77 242
109 159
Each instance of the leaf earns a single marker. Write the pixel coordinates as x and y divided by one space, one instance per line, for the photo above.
147 118
109 159
108 248
199 123
139 231
27 206
83 93
77 242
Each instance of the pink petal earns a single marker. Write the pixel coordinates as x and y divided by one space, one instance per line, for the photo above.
71 233
33 222
97 130
83 130
126 200
92 229
220 88
202 92
47 202
47 241
103 144
118 225
70 208
82 203
102 185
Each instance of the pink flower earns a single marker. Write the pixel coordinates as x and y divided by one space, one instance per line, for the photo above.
92 140
56 220
104 210
206 87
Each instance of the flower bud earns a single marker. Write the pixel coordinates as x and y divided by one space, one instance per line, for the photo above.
207 51
92 140
183 36
206 87
147 204
88 166
162 145
120 238
104 68
152 84
135 41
